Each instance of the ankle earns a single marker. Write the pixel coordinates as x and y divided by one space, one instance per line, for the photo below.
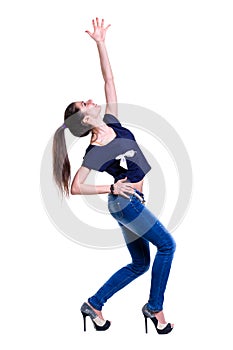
160 317
98 312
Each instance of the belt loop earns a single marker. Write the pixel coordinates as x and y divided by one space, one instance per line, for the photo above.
142 200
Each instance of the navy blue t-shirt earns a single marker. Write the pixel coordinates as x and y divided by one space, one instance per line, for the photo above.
121 157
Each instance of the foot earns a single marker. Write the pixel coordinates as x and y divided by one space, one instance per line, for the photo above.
98 312
161 318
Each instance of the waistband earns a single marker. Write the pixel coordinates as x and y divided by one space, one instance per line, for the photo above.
139 195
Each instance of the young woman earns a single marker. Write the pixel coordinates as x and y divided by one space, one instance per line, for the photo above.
114 149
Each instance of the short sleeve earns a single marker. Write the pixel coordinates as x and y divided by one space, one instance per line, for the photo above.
110 119
94 158
87 163
89 159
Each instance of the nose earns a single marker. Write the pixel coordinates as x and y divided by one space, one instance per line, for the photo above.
89 102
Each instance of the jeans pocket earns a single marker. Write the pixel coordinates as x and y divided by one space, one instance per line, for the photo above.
119 212
115 209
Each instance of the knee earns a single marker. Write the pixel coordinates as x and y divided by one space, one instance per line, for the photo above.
141 267
172 245
169 246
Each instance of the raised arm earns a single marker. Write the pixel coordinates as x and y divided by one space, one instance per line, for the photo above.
109 86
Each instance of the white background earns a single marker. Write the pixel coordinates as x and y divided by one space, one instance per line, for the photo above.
174 57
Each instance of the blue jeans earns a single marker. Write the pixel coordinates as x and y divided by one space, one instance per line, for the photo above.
139 227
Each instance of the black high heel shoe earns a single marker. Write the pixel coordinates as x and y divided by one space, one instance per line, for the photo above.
160 328
99 324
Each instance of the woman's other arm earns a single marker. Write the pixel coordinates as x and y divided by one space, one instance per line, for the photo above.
79 187
109 86
121 187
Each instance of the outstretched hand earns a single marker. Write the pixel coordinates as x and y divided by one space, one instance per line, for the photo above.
99 31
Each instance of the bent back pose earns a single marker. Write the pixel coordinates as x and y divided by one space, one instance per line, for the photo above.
113 149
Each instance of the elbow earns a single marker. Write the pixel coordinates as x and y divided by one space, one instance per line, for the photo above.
75 189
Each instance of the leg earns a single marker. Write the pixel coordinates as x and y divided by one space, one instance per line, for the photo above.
160 237
137 218
139 251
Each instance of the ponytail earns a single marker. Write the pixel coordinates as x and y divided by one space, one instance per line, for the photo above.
61 163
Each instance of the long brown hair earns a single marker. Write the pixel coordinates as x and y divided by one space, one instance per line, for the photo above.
61 165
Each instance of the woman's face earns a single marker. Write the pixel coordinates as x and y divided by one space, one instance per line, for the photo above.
89 108
91 112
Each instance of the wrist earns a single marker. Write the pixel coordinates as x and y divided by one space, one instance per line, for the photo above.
100 43
112 189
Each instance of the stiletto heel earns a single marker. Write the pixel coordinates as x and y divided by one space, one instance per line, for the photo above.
84 321
161 329
146 324
99 324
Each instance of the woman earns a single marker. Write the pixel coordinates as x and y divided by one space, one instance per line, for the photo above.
114 149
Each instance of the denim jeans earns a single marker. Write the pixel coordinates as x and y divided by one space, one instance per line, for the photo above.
139 227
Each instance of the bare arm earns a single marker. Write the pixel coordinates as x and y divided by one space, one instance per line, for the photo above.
79 187
109 86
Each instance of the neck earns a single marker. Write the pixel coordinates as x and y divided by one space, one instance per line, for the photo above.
100 130
101 134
